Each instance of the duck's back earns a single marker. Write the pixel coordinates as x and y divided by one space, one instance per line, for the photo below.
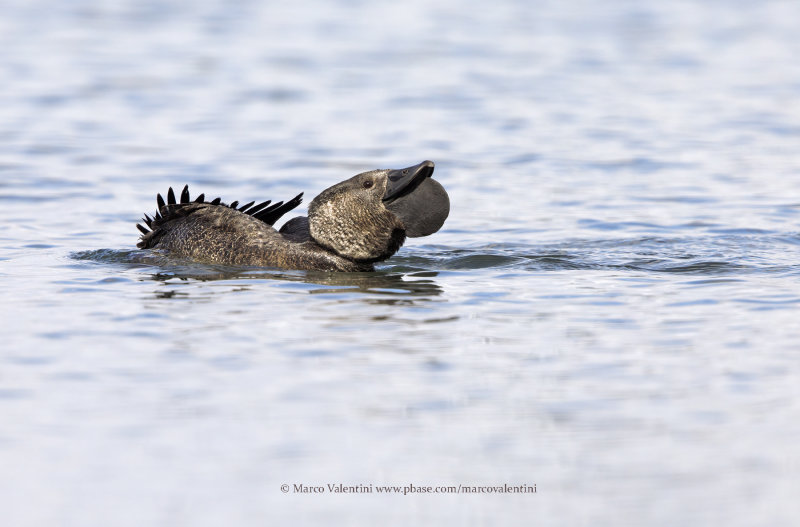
214 232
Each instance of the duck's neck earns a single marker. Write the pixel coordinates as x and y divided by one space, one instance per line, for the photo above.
298 235
310 255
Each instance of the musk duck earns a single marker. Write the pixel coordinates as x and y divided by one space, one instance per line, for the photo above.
350 226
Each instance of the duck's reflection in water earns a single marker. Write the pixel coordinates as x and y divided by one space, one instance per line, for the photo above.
382 287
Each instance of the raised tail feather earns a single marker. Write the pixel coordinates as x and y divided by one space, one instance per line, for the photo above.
170 210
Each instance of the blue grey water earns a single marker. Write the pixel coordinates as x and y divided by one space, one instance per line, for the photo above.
610 312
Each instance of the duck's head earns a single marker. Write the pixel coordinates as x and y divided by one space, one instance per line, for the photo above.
367 217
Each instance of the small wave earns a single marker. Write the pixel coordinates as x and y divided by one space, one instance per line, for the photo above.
703 267
725 253
112 256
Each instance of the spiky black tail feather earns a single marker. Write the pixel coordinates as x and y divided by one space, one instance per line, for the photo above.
266 211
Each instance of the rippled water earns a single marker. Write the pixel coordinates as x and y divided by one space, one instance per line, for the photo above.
609 313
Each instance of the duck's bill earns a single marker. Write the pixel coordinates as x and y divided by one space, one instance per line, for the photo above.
404 180
417 199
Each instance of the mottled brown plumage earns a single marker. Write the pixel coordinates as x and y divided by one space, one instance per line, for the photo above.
350 225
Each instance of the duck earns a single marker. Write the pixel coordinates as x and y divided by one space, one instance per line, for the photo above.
350 226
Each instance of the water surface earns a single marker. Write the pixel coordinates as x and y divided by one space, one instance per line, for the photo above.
610 312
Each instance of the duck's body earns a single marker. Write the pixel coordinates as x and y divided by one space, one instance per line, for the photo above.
350 226
223 235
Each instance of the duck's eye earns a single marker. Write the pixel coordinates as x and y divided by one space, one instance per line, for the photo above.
368 183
